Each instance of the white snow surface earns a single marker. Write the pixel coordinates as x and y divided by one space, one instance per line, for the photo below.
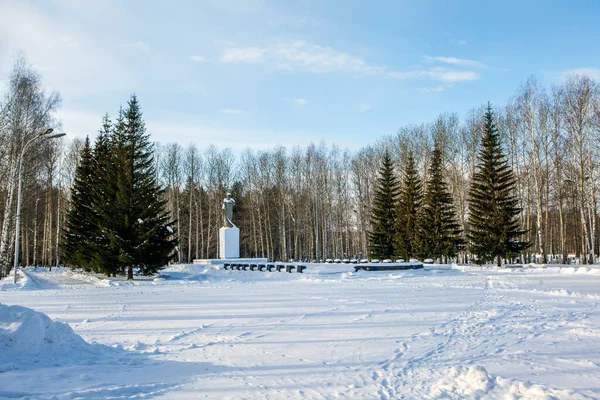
445 332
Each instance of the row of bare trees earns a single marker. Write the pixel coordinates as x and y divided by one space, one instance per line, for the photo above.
314 202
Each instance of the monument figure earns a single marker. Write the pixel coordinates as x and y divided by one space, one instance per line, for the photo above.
227 211
229 234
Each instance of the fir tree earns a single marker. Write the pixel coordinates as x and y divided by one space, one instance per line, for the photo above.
104 259
439 233
409 205
383 234
77 246
494 229
141 231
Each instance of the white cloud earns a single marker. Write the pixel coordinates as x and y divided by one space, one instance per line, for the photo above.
435 89
140 46
437 74
232 111
365 107
198 59
300 102
250 55
592 72
458 42
454 61
301 56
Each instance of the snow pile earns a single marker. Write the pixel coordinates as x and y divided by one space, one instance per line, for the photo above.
476 383
28 337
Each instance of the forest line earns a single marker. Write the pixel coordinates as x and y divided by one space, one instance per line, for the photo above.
315 202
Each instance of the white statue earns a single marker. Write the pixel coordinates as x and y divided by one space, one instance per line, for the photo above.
227 210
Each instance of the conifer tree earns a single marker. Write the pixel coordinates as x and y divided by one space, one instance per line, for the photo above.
383 215
77 246
439 233
408 209
141 230
104 259
493 223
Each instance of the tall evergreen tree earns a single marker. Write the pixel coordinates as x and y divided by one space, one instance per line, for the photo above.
104 259
439 233
141 232
77 246
493 223
383 215
408 209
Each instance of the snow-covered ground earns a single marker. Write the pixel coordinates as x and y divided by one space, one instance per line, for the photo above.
450 333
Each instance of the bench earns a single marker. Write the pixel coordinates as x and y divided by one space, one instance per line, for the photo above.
244 266
252 267
279 267
270 267
261 267
300 268
289 268
226 265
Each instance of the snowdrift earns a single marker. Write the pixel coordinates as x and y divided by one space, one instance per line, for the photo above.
29 338
476 383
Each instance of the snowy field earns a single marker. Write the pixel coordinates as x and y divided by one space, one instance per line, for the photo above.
329 333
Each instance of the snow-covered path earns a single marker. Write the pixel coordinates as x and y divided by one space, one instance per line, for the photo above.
408 334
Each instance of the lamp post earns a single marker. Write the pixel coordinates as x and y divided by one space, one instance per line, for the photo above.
47 134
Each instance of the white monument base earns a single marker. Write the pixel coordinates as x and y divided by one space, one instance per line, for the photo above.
218 261
229 242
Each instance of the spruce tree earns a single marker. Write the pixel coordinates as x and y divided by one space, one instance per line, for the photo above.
104 260
408 208
383 215
493 223
439 233
140 231
77 246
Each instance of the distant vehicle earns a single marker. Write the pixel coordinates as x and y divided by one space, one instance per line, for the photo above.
400 260
375 261
354 261
329 261
413 260
428 261
346 261
364 260
337 261
387 260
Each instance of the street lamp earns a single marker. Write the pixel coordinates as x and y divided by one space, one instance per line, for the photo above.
47 134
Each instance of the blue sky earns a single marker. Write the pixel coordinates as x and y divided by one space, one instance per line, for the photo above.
257 73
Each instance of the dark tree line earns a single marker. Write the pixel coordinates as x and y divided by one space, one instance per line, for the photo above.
118 220
316 202
408 224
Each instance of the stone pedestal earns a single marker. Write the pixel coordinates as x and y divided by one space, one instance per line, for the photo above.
229 242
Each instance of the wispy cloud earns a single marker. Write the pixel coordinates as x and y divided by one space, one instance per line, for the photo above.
198 59
140 46
592 72
301 56
436 74
435 89
454 61
365 107
458 42
232 111
300 102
